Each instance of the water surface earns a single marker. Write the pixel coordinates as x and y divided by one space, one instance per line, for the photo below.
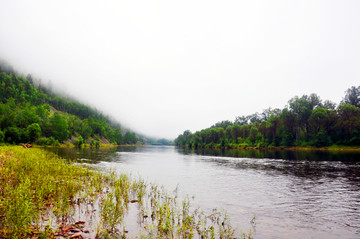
291 194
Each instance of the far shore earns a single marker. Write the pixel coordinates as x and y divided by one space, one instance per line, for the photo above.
292 148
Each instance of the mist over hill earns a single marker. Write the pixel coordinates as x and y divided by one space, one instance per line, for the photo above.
32 111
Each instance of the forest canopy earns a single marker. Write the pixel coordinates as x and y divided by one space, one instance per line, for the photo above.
305 121
32 113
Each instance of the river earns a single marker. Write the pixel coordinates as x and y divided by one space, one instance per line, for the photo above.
304 194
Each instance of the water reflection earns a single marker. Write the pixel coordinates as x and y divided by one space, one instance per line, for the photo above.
95 155
312 155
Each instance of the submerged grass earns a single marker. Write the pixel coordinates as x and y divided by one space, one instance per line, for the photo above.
35 182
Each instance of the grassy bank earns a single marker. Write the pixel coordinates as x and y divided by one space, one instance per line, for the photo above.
86 145
43 196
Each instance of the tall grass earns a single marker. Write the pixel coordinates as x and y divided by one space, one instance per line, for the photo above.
34 182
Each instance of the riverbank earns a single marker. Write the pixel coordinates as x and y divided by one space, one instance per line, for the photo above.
83 146
44 196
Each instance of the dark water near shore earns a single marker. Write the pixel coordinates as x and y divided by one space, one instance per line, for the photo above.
292 194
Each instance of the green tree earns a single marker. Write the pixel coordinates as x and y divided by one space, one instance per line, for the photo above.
235 132
119 139
84 129
2 136
241 120
329 105
352 96
79 141
319 119
349 118
223 124
302 109
15 135
130 138
253 134
59 127
34 132
322 139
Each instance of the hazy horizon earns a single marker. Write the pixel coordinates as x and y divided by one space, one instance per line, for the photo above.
161 67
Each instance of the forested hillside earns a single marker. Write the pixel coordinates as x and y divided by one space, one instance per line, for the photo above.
31 113
305 121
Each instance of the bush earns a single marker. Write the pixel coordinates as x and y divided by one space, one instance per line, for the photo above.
2 136
92 143
48 141
34 132
97 143
79 141
16 135
322 139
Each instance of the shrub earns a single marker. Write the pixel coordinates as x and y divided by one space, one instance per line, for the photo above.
48 141
34 132
79 141
2 136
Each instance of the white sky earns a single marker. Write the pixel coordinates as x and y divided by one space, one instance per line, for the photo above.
161 67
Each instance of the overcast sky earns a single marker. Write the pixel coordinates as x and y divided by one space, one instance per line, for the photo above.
161 67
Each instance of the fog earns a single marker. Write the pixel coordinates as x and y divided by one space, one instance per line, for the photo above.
161 67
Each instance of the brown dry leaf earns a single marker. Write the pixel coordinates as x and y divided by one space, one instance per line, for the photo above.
66 229
76 235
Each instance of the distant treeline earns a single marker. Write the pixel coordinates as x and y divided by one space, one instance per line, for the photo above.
159 141
31 112
305 121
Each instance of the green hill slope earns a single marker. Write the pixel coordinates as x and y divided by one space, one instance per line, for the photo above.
31 113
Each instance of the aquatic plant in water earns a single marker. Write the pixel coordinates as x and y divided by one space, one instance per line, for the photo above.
41 195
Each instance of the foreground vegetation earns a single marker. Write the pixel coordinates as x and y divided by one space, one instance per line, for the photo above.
41 195
306 121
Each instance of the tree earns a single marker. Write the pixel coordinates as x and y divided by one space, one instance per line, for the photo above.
118 137
319 119
352 96
15 135
288 130
253 134
314 100
34 132
59 127
130 138
223 124
255 118
349 118
2 136
329 105
241 120
235 132
322 139
85 130
79 141
302 109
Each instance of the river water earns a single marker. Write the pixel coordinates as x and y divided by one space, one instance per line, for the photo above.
291 194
